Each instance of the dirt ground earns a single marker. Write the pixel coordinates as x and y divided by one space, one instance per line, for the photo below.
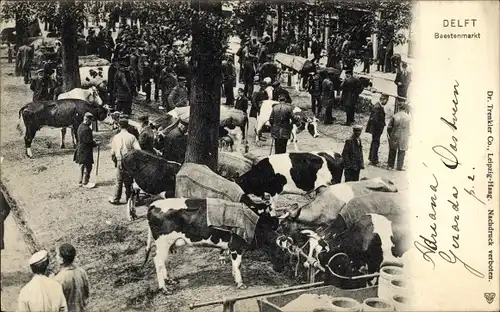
110 248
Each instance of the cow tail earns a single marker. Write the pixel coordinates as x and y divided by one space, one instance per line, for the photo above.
148 246
20 122
247 121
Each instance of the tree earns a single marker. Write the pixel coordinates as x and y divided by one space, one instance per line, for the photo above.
210 31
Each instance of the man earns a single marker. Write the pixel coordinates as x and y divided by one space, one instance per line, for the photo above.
316 48
248 73
403 80
381 56
113 68
268 88
156 70
257 98
120 145
375 126
314 88
84 155
278 90
228 82
327 100
42 85
241 101
351 89
147 136
398 132
175 144
146 77
92 43
41 293
123 88
281 124
178 97
352 156
167 83
73 279
141 66
367 55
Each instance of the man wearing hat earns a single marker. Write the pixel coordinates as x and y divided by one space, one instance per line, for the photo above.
257 98
123 87
41 293
367 55
398 132
228 81
167 83
281 124
351 89
352 155
179 96
402 81
121 144
42 84
147 136
316 48
278 90
327 100
314 88
375 126
84 155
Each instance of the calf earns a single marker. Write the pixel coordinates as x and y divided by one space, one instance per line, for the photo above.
292 173
176 222
300 122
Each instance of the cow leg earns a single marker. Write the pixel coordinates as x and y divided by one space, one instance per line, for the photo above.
74 137
163 244
63 135
236 265
28 139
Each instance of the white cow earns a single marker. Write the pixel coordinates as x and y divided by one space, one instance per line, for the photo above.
305 123
94 76
90 95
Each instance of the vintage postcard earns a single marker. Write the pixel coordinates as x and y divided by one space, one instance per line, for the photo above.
308 155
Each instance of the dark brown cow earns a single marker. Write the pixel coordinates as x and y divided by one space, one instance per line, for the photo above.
57 114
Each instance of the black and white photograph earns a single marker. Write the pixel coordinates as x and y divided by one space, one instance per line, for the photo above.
206 155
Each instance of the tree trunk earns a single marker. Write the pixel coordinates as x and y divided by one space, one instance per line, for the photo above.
280 22
70 68
207 52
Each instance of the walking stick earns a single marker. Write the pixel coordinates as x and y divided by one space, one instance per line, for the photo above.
271 150
97 165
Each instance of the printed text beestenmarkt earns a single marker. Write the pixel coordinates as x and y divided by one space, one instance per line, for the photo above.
474 35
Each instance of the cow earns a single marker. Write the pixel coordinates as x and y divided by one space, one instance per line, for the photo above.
90 95
151 174
199 222
4 213
369 229
301 122
292 173
56 114
96 76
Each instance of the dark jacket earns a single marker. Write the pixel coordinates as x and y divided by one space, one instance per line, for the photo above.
122 85
241 103
352 154
316 47
113 68
84 150
281 91
351 89
146 139
327 92
42 88
314 87
281 121
257 98
376 123
405 80
248 71
175 145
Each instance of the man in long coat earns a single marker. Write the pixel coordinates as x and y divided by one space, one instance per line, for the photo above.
123 88
281 124
398 131
402 81
42 85
327 100
352 155
375 126
351 89
84 155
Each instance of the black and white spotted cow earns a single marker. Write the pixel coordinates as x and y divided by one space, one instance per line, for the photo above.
292 173
177 222
96 76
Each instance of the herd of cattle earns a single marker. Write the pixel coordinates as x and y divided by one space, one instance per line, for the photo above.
236 207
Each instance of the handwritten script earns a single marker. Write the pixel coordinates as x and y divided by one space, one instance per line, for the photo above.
429 245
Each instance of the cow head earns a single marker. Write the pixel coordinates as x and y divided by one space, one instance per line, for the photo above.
93 96
302 122
100 111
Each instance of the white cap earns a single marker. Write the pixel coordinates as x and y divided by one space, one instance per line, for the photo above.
39 256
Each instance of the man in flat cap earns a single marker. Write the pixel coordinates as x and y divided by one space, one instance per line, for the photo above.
121 144
353 155
281 124
84 155
41 293
179 95
73 279
147 136
375 126
351 89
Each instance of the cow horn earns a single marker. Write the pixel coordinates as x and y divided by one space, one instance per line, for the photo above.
285 215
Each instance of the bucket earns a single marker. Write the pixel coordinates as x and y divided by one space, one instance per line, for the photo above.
345 304
399 286
377 304
400 302
387 274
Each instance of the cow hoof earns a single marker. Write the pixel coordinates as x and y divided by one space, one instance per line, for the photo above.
63 146
242 286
